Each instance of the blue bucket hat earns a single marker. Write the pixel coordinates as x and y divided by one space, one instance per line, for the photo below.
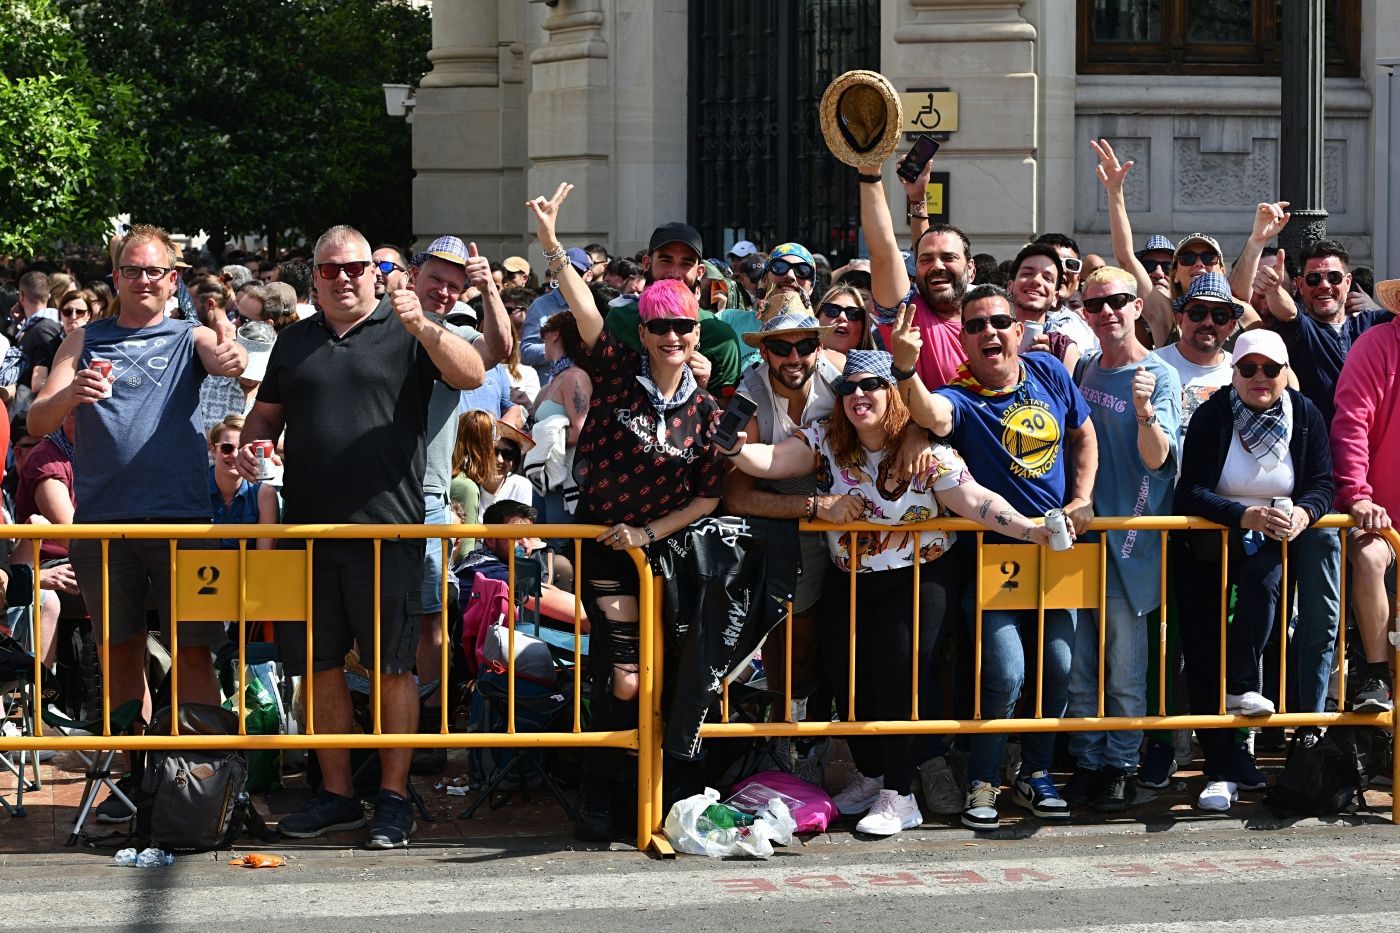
1210 286
875 362
1156 242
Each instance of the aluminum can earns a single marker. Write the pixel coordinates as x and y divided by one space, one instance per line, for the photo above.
1032 330
263 451
104 367
1058 524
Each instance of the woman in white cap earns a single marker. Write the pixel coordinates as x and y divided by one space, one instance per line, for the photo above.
852 454
1256 460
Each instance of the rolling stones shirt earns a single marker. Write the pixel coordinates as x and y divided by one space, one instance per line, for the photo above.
887 501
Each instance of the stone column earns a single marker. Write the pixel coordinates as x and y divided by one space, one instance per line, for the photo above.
1300 130
985 50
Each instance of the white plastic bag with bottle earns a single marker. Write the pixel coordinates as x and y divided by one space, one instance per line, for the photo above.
690 831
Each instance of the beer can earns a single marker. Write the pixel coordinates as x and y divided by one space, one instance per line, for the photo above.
104 368
263 451
1030 331
1058 524
1283 504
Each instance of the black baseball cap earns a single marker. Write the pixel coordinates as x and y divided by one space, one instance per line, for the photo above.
676 233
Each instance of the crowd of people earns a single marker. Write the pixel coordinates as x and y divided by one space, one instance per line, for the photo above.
443 387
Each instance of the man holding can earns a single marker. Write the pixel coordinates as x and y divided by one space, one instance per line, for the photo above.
132 382
351 385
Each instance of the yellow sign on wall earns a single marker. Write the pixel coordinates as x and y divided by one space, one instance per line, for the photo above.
929 111
1011 576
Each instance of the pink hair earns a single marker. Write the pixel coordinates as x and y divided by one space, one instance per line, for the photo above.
668 298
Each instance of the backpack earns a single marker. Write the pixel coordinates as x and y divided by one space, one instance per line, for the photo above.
194 800
488 604
1328 775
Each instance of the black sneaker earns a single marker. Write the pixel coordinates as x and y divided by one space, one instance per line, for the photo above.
324 813
1083 786
1244 771
1117 792
393 821
114 809
1372 696
1158 765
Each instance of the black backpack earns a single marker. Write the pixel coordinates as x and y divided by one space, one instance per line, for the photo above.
1327 774
195 800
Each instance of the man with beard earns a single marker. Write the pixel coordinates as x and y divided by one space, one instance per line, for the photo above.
942 271
390 271
1024 430
674 253
1206 316
1036 276
1318 341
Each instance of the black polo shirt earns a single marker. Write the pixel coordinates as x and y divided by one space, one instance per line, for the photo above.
1317 352
356 411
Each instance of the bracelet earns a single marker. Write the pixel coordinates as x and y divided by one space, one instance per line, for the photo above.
553 255
910 215
901 374
869 179
651 535
811 508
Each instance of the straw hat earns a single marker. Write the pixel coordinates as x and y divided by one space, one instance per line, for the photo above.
1388 294
861 118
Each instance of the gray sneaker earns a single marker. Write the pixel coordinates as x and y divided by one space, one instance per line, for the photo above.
940 787
324 813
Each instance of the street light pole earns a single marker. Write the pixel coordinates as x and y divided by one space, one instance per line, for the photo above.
1300 131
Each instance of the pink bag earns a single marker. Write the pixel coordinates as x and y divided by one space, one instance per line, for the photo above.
811 806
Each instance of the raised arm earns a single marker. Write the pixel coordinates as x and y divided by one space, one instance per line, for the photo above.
916 196
1269 221
219 351
1156 307
571 284
456 359
889 282
66 388
494 343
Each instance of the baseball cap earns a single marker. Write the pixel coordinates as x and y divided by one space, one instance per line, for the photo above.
446 247
1210 287
742 249
516 264
579 260
676 232
1266 343
1205 238
1155 243
792 251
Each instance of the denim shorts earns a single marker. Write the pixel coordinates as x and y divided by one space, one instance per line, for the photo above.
438 513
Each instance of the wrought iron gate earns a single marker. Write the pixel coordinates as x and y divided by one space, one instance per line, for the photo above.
759 169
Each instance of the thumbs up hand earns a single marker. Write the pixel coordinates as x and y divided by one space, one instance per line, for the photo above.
230 358
1144 384
478 268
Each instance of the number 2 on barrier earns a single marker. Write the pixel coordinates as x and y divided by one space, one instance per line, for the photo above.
207 586
1011 577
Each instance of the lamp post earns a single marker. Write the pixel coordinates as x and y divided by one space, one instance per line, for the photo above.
1300 131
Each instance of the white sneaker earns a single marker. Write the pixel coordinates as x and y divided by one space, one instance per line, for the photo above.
891 813
1248 703
859 794
1218 795
940 787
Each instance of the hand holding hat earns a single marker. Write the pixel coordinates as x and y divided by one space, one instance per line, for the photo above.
861 118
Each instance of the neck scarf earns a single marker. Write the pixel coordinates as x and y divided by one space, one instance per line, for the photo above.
1264 433
557 367
964 379
658 401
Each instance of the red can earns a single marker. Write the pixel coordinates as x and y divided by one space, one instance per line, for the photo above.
103 367
263 451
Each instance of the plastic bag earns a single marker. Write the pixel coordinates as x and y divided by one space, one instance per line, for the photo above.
265 717
690 831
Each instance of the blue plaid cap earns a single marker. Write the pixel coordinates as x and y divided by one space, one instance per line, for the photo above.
792 251
875 362
1156 242
445 247
1210 286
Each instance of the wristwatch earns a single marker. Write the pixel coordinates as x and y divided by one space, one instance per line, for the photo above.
901 374
1149 421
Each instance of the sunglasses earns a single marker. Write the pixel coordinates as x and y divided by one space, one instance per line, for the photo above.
331 270
681 326
506 453
1271 370
1072 265
26 446
226 448
1314 279
1156 265
803 270
975 325
1116 301
72 311
1189 257
833 311
133 273
1221 316
867 385
516 309
781 348
386 266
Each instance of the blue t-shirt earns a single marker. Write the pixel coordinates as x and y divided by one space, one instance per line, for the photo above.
242 511
1316 352
1015 443
142 452
1124 485
492 396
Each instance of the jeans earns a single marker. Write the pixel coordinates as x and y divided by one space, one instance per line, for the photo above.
1125 683
1317 556
1009 645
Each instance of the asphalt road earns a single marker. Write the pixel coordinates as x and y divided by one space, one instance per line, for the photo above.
1199 880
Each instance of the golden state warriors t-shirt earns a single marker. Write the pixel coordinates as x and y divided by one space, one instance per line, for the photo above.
1014 442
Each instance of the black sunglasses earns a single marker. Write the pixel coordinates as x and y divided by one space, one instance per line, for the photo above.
1189 257
803 270
804 347
1314 279
386 266
226 447
1271 370
680 325
513 309
330 270
1115 301
1221 316
1154 265
868 384
507 453
975 325
833 311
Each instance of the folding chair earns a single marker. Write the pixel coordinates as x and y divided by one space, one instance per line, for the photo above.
98 764
17 695
533 713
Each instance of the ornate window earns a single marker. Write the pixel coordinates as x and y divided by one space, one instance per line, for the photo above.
1216 37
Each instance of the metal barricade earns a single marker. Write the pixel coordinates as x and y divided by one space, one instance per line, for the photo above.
243 585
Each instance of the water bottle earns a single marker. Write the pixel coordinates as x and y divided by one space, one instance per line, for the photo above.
154 858
126 858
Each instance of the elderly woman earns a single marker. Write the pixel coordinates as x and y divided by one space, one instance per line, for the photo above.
1248 447
852 454
645 468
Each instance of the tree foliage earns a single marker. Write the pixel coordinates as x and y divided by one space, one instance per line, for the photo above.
61 168
265 117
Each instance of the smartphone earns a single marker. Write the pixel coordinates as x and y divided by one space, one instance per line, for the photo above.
924 148
736 415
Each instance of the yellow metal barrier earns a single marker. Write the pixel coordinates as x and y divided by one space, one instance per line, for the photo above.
1027 577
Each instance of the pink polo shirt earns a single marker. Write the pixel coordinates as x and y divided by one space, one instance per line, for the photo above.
942 352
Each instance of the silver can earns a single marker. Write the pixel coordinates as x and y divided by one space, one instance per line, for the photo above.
1058 524
1284 505
1031 330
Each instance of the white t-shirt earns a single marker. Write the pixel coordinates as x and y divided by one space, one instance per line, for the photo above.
528 382
914 502
1198 383
515 487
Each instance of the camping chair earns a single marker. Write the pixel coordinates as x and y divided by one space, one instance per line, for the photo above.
17 695
98 764
533 713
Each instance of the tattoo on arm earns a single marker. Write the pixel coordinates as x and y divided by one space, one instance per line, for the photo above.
1004 517
580 399
1026 534
984 508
